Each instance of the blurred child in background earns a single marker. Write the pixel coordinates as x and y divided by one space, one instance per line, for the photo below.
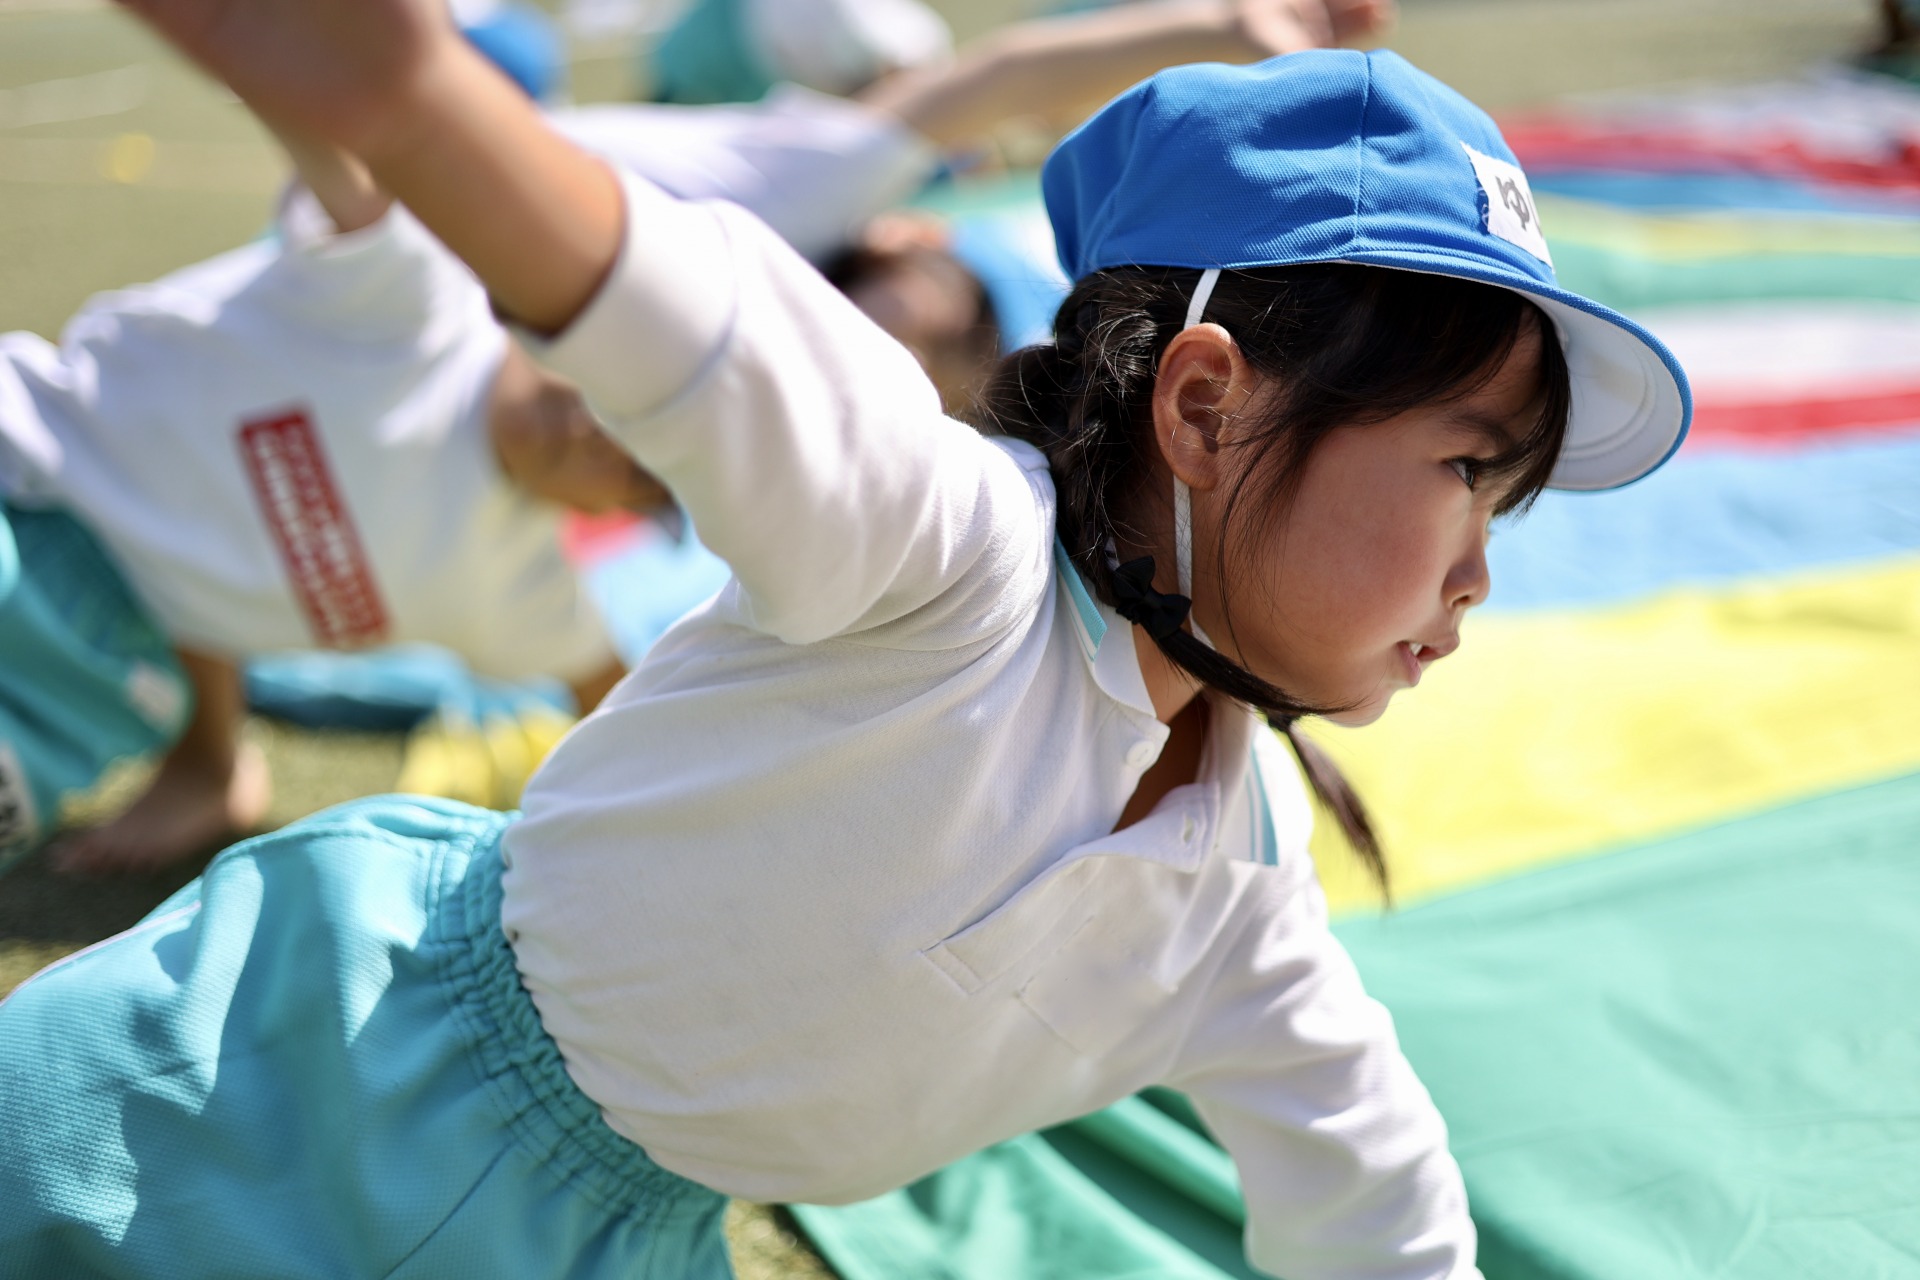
736 50
322 439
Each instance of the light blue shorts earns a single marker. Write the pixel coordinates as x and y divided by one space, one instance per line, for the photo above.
318 1060
86 678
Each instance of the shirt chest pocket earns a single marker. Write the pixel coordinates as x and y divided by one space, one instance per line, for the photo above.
1093 948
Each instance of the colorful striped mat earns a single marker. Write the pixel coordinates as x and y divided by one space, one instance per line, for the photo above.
1656 828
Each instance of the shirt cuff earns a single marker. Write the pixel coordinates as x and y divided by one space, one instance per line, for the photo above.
663 312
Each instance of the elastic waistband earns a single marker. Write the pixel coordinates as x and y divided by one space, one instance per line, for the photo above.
516 1058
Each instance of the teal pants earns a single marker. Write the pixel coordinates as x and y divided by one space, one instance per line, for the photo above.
85 677
318 1060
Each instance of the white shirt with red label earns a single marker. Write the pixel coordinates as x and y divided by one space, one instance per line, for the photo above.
285 447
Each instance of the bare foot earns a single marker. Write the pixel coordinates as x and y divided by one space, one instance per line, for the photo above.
191 805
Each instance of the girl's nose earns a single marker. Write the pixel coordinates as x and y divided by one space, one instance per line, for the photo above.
1469 581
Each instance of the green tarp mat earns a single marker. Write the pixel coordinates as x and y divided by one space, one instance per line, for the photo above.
1695 1058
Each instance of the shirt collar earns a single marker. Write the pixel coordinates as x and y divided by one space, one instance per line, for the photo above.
1106 640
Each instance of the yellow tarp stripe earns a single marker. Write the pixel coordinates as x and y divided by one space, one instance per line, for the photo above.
1551 736
1725 235
484 764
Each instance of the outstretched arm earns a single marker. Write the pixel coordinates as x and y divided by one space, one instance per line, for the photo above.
1061 68
392 82
538 220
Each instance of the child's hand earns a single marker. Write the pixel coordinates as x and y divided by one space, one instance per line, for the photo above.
335 70
550 446
1288 26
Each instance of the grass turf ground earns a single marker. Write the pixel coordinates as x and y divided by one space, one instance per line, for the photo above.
118 164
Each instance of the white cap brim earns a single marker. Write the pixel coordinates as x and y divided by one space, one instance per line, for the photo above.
1630 403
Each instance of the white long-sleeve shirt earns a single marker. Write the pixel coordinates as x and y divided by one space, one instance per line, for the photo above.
827 894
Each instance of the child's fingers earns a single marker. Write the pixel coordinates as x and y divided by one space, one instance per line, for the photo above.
325 68
1288 26
1284 26
1354 20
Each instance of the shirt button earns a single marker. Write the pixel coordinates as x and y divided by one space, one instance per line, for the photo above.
1186 831
1142 753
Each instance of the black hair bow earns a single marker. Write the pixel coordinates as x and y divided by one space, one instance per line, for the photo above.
1136 600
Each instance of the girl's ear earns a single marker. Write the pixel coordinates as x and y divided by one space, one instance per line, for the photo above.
1202 383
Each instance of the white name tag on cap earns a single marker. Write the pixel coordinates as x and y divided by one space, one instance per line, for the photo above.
1511 213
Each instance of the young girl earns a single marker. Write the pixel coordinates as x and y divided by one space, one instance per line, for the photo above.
949 817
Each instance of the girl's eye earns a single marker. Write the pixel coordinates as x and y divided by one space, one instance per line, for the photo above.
1468 469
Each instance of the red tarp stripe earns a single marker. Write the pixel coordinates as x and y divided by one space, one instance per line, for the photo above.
1555 144
1787 422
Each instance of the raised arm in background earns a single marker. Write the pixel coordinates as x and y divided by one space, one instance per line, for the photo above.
1060 69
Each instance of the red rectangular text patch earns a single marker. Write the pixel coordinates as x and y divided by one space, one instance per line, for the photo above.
318 544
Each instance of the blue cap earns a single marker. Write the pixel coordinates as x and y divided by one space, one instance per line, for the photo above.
1340 156
523 42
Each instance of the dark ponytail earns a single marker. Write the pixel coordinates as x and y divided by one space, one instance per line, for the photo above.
1347 345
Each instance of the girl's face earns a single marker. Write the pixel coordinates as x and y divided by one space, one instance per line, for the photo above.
1360 584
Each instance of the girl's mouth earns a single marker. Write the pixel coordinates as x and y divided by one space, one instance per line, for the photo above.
1410 654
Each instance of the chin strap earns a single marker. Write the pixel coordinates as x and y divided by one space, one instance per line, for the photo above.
1158 613
1182 496
1183 535
1161 614
1203 291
